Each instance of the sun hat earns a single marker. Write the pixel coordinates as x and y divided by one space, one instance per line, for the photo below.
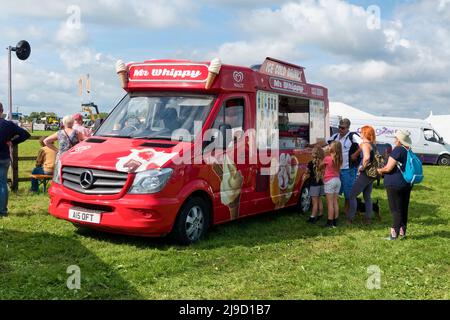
404 137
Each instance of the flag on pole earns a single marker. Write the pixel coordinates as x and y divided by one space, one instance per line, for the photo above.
88 84
80 86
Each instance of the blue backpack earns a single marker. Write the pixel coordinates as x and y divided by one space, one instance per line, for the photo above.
413 172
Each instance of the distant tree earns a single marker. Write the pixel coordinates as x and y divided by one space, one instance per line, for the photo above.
103 115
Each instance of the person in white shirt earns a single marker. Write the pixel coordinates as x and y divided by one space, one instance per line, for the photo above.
351 158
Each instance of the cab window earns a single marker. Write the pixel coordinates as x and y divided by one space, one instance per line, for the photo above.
430 135
231 113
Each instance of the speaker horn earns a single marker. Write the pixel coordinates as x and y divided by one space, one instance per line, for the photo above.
23 50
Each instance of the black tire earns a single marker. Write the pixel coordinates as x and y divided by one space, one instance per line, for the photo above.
444 160
304 201
192 221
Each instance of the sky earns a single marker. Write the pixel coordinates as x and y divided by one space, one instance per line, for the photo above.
384 57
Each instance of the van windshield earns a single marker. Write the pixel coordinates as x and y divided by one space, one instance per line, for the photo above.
148 116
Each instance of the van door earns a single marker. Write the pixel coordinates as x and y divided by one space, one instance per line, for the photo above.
237 182
430 146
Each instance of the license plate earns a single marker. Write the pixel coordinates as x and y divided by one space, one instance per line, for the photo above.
85 216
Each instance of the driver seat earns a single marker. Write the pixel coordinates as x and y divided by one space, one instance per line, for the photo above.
170 119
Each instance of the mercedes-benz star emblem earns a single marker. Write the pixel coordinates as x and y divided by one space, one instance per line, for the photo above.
86 179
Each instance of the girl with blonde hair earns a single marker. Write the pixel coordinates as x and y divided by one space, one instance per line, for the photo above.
332 164
316 187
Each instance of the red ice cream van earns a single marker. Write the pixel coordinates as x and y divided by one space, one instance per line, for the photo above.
193 144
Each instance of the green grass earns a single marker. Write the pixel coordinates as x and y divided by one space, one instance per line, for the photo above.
271 256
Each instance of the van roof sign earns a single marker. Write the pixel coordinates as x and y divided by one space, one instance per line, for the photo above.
168 72
284 70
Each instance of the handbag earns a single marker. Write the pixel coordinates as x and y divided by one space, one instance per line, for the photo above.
378 162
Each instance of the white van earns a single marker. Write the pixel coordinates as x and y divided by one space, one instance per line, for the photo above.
426 142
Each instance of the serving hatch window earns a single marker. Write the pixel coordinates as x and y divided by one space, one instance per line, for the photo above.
157 116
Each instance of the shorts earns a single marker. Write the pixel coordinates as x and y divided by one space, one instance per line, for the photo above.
348 178
316 191
333 186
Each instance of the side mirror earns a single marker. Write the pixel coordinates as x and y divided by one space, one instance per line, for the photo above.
441 140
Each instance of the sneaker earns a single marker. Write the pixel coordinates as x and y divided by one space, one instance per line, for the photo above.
329 224
402 237
335 222
312 220
390 238
367 222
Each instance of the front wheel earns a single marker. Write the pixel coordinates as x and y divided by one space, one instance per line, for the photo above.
444 160
192 222
304 202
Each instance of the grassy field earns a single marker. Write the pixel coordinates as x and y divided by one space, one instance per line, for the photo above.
271 256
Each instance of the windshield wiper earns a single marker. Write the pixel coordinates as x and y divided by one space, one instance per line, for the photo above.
154 137
116 136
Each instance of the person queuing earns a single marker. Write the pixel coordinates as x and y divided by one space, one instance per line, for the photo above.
332 164
45 163
10 134
78 125
397 189
350 157
364 183
67 137
316 189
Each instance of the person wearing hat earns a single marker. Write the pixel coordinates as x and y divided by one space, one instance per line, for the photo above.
398 190
78 125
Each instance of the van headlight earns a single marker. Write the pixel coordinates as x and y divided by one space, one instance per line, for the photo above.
150 181
57 171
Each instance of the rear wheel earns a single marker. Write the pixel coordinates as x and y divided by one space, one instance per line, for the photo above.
444 160
192 221
304 202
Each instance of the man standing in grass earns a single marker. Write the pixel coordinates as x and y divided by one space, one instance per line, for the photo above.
10 133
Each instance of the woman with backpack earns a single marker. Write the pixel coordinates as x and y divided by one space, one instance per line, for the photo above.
397 188
363 182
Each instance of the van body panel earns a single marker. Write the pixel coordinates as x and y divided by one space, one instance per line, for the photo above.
427 150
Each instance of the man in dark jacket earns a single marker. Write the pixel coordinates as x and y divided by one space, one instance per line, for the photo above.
10 133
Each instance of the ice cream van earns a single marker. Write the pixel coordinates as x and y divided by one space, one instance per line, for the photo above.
193 144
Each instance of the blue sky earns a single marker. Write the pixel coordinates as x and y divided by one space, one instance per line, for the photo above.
395 69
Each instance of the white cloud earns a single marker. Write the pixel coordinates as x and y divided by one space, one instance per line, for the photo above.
142 13
70 35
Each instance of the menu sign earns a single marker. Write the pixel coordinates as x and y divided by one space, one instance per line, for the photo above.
283 70
168 73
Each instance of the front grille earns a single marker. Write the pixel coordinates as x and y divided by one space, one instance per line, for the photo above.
105 182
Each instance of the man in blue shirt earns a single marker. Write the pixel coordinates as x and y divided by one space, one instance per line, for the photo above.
10 133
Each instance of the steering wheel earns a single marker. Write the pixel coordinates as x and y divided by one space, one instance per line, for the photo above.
132 124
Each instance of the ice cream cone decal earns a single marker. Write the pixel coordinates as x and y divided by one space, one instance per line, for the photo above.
283 182
213 71
230 186
122 72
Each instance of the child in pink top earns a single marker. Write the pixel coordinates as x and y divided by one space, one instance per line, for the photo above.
332 164
330 170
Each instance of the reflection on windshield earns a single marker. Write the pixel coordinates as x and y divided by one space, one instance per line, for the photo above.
146 116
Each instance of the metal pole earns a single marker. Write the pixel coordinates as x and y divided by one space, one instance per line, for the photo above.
9 84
